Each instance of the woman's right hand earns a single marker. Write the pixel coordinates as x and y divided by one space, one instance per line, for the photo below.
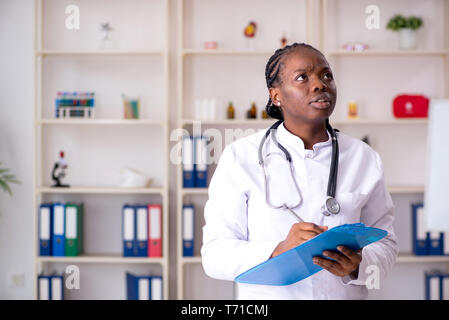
299 233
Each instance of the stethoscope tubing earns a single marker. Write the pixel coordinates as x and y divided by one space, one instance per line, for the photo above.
333 172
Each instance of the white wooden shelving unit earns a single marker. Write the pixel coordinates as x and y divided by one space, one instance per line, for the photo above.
190 52
316 18
328 10
45 125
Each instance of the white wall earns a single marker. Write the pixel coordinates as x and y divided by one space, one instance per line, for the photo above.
16 148
16 137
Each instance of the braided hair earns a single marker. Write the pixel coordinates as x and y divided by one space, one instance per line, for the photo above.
272 70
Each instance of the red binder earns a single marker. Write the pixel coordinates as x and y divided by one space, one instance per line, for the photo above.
154 230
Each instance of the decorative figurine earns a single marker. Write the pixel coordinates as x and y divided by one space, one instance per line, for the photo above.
252 112
230 111
58 172
106 41
250 32
353 110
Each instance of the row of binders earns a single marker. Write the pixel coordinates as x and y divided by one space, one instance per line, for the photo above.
188 230
60 229
195 155
143 287
437 285
50 287
142 230
424 241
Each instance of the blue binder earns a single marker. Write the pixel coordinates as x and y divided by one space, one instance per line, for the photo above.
128 231
44 287
45 229
156 288
420 245
433 285
57 287
444 286
436 245
201 157
296 264
188 162
188 230
138 287
141 219
59 230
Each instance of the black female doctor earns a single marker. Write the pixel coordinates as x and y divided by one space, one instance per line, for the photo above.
243 230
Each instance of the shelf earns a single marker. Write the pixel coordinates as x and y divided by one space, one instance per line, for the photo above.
187 191
380 122
345 122
219 52
391 189
186 260
100 122
402 258
411 258
230 122
406 189
100 190
99 53
116 259
441 52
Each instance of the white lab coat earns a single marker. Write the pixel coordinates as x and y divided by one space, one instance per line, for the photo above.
241 231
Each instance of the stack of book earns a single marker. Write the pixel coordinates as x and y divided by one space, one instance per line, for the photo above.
74 104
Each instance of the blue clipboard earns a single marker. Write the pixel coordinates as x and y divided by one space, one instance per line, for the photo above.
296 264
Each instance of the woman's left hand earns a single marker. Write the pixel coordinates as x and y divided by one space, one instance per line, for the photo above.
346 262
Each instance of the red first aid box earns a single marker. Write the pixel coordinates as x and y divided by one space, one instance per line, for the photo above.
410 106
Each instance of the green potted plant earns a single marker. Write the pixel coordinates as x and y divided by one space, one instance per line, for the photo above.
6 178
406 26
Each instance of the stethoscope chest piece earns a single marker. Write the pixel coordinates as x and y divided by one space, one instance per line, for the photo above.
331 206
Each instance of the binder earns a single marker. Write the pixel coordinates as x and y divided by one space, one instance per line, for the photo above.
188 162
45 227
296 264
156 288
57 287
201 159
138 287
445 287
154 230
128 230
59 230
421 239
188 231
433 285
436 243
73 229
141 247
44 287
446 243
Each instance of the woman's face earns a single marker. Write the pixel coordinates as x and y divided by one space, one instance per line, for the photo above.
305 78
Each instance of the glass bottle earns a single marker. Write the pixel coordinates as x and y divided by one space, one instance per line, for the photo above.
230 111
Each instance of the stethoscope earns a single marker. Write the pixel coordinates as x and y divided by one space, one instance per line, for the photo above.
331 205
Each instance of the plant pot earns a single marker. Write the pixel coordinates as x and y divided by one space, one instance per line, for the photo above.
407 39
